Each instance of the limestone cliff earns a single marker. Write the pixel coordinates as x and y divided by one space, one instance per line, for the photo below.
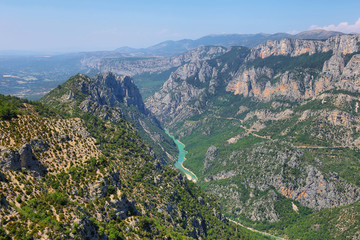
172 103
341 44
292 68
298 82
188 88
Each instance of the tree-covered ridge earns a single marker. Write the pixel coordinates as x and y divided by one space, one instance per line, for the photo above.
98 181
11 107
8 108
282 63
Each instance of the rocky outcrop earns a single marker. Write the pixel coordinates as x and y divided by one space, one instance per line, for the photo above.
23 158
210 156
107 91
190 83
113 98
97 95
27 158
10 160
267 115
320 192
297 85
350 78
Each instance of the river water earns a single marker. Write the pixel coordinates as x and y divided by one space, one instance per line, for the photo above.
181 158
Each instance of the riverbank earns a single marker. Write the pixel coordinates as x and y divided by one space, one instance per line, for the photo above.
181 159
191 176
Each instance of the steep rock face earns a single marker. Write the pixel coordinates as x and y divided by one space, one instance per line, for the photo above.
287 84
112 98
188 89
27 157
300 83
172 102
350 78
104 92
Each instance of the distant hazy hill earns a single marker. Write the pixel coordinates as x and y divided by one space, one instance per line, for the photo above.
171 48
316 34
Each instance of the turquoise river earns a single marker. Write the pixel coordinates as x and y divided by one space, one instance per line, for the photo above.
191 176
179 164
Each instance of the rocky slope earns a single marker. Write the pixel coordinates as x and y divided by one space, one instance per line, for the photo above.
267 71
64 177
272 126
186 91
112 98
129 66
338 69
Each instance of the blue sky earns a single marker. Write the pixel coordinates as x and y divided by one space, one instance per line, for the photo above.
81 25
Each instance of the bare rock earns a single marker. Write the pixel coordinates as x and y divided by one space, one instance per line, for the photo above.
210 156
20 159
9 160
27 158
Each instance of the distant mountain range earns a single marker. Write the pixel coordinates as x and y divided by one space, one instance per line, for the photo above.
172 48
36 75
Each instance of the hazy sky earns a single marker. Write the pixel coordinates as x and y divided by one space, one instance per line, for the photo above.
78 25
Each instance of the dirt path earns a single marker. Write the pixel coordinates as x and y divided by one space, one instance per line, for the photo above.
317 147
257 231
259 136
247 130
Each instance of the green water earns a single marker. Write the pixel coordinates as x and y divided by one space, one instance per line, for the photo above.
181 158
